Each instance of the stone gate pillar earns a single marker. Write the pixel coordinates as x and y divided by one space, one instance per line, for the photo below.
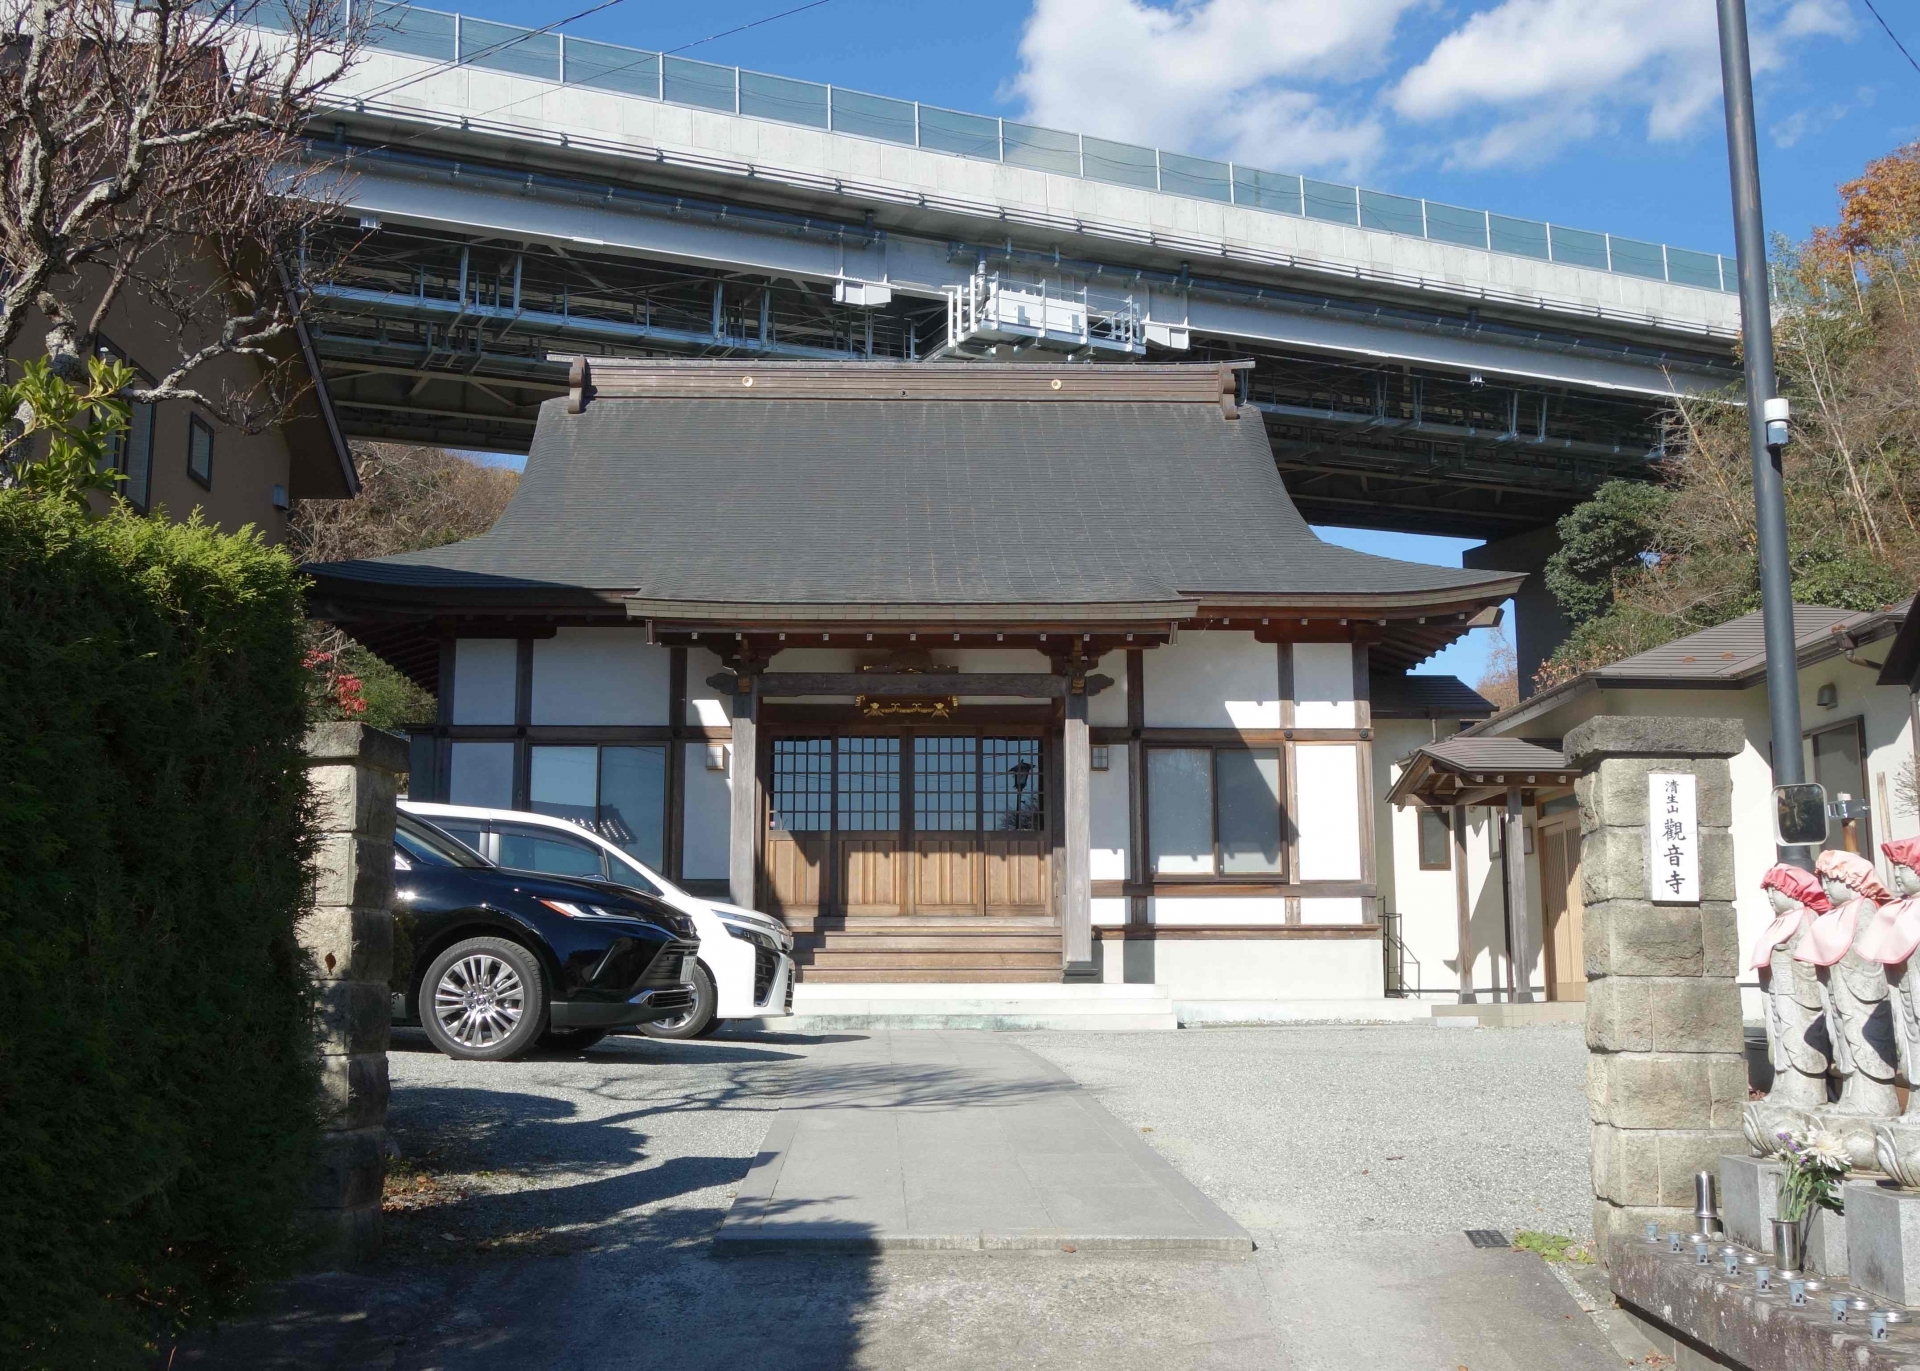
1666 1074
352 771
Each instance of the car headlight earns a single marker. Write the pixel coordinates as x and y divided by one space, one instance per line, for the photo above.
752 935
586 911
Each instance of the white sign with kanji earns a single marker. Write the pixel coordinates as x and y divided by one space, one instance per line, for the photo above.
1673 840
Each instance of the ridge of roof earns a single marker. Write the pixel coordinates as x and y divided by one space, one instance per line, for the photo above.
599 379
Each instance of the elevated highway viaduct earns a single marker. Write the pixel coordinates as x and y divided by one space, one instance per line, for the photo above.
506 201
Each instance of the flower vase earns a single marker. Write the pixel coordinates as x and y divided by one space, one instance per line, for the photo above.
1788 1247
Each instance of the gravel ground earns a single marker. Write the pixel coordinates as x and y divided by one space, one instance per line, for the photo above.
556 1214
1323 1132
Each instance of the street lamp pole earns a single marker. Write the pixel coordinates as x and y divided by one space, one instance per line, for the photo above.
1766 414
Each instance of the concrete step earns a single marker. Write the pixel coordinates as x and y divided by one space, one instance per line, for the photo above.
1516 1015
956 1002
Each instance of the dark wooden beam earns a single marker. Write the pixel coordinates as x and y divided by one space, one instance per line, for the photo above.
1030 685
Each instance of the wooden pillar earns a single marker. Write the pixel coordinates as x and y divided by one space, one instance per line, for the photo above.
1519 907
743 848
1076 886
1463 908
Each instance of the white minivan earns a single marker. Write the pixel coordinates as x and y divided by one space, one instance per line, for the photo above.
746 957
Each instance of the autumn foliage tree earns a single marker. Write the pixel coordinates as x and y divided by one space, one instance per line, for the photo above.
411 498
1847 352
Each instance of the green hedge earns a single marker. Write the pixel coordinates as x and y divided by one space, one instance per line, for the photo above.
157 1071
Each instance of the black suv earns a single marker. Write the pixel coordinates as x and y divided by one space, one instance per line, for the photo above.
503 961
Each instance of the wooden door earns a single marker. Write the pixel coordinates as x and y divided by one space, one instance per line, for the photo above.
910 822
870 856
1558 840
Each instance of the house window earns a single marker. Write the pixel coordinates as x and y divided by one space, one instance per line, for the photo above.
1836 758
130 452
618 792
200 450
1213 811
481 774
1436 840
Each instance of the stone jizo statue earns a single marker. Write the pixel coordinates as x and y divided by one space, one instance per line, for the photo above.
1796 1014
1859 1014
1891 942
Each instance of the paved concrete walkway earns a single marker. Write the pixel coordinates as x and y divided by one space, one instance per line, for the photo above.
959 1141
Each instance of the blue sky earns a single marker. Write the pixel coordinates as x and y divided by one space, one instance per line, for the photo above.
1601 114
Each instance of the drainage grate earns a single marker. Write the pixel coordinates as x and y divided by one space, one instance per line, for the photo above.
1486 1237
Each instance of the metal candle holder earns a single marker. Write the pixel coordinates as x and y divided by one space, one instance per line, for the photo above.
1705 1207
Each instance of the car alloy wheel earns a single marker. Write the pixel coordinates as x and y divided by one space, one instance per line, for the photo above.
479 1000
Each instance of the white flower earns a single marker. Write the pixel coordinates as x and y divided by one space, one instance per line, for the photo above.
1830 1151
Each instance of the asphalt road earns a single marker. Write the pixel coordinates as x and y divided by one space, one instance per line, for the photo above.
556 1213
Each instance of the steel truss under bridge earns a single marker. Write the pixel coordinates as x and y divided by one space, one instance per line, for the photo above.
427 336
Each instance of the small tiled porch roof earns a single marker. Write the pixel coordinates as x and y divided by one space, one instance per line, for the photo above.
1476 770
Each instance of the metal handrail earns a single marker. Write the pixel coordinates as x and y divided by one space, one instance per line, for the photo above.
440 35
1395 957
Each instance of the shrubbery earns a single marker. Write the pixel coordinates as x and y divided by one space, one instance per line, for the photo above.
157 1075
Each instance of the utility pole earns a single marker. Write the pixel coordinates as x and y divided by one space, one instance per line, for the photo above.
1766 413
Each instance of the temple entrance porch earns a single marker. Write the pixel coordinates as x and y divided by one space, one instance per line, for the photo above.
921 853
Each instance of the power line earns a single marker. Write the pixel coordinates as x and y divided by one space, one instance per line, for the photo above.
816 4
1891 34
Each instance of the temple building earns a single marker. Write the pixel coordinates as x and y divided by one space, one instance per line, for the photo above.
985 673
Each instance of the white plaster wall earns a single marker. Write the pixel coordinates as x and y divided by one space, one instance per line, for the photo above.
1424 900
1213 679
1217 911
1327 817
708 823
1323 685
599 676
1108 709
1265 968
483 680
1109 911
1108 806
706 706
1332 909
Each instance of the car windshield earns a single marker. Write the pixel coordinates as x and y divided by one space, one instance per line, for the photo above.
421 844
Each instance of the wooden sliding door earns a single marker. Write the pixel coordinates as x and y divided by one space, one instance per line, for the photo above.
908 822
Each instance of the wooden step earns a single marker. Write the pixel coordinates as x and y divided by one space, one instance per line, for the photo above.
824 975
934 942
865 957
918 923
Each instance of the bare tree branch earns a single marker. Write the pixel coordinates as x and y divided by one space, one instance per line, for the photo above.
155 158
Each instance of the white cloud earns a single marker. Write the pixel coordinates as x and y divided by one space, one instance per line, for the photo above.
1813 120
1551 72
1239 78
